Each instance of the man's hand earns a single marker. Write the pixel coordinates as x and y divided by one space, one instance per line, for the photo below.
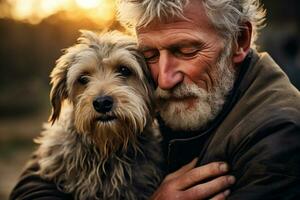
184 183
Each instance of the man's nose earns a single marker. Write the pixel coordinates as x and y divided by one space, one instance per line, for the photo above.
169 74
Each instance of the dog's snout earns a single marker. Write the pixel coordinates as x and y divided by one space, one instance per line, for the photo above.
103 104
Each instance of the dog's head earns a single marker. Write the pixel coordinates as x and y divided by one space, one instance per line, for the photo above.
107 81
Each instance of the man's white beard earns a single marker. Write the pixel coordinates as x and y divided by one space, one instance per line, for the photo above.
179 115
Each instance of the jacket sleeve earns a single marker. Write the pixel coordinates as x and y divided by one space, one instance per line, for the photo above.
267 164
31 186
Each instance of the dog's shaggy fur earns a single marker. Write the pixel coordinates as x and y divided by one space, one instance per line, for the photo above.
101 142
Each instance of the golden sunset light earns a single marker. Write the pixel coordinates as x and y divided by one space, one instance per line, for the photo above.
88 4
33 11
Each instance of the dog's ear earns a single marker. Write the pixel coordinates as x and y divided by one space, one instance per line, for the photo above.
59 85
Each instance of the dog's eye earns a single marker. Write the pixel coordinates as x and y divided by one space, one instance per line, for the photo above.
124 71
83 80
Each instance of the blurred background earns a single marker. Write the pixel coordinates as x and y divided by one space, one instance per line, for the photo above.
32 34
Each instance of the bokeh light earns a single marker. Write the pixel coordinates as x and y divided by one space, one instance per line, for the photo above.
34 11
88 4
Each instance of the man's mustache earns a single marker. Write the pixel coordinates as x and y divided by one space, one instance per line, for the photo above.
180 91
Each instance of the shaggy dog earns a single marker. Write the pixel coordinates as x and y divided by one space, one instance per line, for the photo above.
101 142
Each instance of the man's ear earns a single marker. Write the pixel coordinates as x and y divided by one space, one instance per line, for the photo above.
242 44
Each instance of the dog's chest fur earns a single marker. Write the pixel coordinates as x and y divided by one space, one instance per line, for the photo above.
74 164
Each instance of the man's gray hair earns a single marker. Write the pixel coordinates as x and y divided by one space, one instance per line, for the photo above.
228 16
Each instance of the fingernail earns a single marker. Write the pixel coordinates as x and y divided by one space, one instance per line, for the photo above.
195 159
224 167
226 193
231 179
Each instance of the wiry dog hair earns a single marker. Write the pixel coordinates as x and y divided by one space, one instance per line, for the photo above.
100 142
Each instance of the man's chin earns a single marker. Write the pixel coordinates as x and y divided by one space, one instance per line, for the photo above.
185 116
184 104
179 123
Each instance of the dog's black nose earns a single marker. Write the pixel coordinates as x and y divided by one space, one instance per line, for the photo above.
103 104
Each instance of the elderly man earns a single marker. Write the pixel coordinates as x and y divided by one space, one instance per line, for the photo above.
219 100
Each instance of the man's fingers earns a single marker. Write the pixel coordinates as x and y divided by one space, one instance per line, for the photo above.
210 188
198 174
182 170
191 183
